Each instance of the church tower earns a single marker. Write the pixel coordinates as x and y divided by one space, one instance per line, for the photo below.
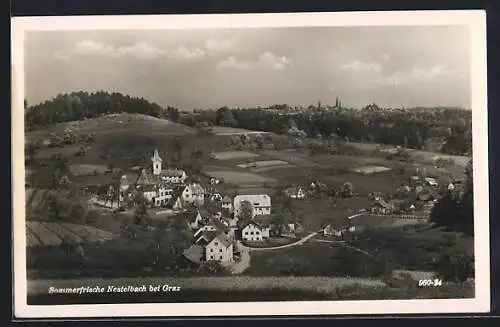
156 163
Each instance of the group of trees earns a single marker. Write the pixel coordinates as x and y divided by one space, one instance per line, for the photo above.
448 129
455 210
81 105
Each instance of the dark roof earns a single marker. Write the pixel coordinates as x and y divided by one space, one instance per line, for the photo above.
148 188
208 235
194 253
147 178
382 203
263 221
219 225
223 239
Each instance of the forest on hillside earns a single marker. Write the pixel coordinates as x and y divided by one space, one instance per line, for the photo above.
446 130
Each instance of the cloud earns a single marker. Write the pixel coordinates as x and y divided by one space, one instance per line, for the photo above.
357 65
219 45
419 75
386 57
266 60
140 50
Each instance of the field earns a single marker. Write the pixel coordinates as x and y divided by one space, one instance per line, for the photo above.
370 169
54 233
263 164
67 151
240 177
231 155
85 169
415 154
116 123
315 213
220 130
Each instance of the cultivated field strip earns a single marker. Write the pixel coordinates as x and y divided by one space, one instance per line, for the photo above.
46 236
89 233
55 233
66 234
31 238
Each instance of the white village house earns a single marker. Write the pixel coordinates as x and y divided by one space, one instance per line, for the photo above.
296 192
261 204
254 231
194 193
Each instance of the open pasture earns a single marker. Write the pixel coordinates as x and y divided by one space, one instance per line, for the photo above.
236 177
56 233
260 164
67 151
223 131
384 182
116 123
87 169
231 155
367 170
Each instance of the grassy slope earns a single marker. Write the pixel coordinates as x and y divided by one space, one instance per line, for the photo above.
229 289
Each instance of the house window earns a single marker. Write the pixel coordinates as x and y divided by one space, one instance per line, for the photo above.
257 233
216 243
211 250
251 233
220 257
220 250
211 257
246 233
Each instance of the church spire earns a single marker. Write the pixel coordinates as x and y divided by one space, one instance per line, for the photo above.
156 159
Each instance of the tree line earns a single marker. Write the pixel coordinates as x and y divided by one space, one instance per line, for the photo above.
447 130
81 105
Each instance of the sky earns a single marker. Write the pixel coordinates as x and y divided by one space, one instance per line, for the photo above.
392 66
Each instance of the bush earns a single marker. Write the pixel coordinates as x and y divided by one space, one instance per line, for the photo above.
456 268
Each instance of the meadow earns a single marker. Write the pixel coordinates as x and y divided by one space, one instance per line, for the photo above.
57 233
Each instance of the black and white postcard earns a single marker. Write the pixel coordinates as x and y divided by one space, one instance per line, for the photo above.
270 164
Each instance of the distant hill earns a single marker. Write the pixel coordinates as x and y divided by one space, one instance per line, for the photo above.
119 123
77 106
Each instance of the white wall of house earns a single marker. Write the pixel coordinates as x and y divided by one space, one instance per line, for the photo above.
216 250
252 232
261 204
163 195
191 197
175 179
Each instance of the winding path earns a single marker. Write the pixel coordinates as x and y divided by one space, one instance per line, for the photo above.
299 242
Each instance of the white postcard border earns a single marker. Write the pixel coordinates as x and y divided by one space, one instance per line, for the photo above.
475 19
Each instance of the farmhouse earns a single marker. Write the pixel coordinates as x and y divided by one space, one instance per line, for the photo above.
255 230
380 206
194 193
214 245
296 192
219 249
336 229
261 204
